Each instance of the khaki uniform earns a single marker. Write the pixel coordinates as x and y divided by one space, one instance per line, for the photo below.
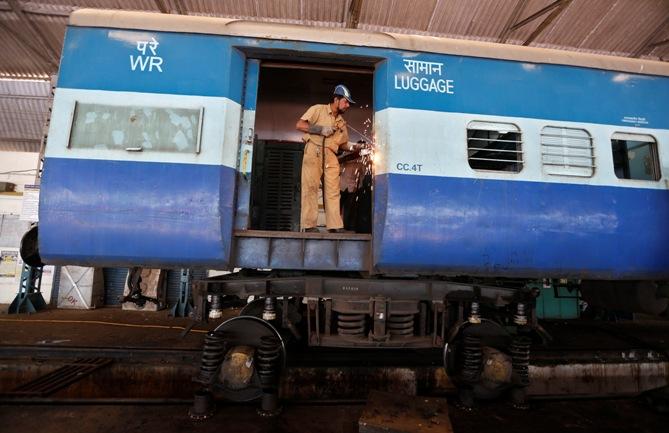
312 167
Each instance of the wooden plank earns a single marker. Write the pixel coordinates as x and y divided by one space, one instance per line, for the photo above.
302 235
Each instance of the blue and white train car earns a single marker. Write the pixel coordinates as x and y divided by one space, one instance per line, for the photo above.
491 160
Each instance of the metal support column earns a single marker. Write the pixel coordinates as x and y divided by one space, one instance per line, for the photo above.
29 298
183 306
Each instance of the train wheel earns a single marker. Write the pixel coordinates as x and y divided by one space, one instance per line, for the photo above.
477 360
256 357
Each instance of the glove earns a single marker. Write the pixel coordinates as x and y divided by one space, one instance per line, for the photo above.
325 131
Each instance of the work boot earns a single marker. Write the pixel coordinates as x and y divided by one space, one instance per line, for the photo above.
340 231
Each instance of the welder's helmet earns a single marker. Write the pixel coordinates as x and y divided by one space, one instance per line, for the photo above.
343 92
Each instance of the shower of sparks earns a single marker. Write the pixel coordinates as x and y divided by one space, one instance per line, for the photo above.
366 156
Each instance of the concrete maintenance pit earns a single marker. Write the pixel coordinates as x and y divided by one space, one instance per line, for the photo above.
114 370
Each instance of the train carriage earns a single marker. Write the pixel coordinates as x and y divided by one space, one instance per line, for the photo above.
172 144
490 160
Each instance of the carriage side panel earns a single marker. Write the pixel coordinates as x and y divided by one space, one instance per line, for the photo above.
140 162
437 214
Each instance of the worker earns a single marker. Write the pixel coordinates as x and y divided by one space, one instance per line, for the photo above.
325 132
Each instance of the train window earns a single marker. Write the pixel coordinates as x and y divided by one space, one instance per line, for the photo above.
635 156
494 146
567 151
174 130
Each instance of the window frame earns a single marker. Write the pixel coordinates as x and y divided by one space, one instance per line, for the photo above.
198 128
545 167
654 151
520 152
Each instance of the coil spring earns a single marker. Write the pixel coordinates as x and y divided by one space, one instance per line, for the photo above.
351 325
520 318
400 324
215 311
267 362
473 356
520 359
213 353
474 316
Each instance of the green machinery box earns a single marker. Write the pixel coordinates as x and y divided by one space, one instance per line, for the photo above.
557 302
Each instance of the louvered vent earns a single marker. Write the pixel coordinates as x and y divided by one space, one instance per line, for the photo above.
276 189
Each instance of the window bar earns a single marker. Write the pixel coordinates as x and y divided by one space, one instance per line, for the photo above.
567 146
567 155
492 149
498 160
494 140
568 165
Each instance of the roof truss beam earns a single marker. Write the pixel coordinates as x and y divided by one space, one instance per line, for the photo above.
648 45
28 44
164 9
539 13
33 8
161 6
545 23
51 56
354 10
658 44
517 11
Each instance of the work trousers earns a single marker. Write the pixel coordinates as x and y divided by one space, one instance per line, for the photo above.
312 169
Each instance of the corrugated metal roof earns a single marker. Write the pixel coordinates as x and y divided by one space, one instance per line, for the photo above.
402 15
32 33
634 28
23 108
481 20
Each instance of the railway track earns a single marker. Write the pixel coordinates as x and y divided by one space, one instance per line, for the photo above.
608 369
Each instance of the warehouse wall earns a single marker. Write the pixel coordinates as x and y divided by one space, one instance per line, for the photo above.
18 168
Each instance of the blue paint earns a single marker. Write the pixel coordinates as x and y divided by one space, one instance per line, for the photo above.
520 229
112 213
251 88
192 64
213 65
516 89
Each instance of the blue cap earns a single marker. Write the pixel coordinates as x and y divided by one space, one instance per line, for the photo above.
343 91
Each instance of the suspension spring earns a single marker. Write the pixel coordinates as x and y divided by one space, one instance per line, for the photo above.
213 353
268 356
474 316
351 325
400 324
215 308
520 318
520 359
473 355
269 312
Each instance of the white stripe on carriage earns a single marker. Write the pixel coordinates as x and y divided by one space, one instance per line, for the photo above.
220 126
437 142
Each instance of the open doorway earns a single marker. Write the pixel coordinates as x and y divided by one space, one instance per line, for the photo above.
285 92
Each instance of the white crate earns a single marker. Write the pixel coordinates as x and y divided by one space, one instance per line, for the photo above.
80 288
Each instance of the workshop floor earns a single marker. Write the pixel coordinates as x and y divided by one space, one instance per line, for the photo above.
582 416
115 328
103 327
